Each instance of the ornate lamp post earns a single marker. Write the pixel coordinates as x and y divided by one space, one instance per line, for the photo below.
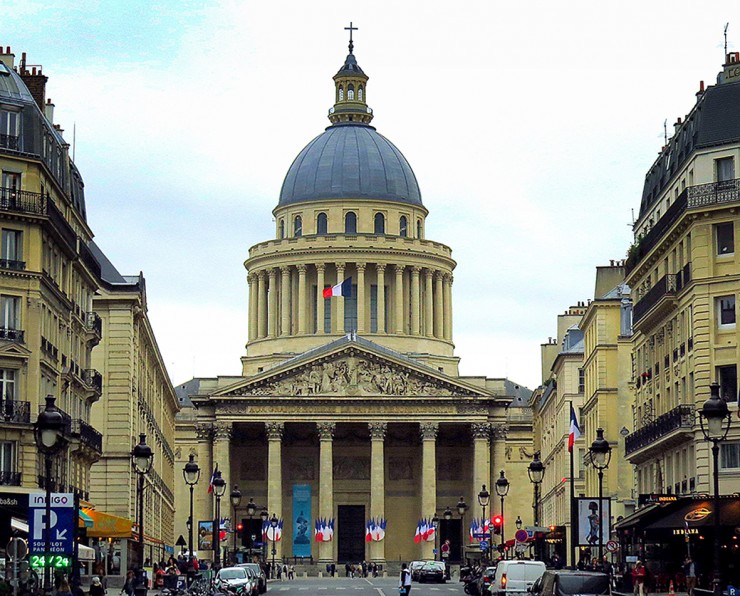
219 488
502 489
251 510
191 474
714 418
484 498
462 507
142 458
536 471
274 523
236 499
435 525
264 516
601 454
49 436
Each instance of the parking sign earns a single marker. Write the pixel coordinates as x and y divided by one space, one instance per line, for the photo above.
61 523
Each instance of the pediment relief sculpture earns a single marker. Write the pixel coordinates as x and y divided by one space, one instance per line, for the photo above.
353 375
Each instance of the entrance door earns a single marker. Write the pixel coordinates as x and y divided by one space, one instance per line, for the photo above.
351 533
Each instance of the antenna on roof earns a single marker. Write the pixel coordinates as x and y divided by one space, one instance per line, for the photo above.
665 131
726 26
633 218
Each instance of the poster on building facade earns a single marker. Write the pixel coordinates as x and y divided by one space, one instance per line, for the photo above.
301 520
205 535
589 517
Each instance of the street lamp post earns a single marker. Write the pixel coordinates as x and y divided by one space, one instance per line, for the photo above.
484 498
518 523
435 525
601 454
142 458
251 510
274 524
236 499
714 418
462 507
191 474
219 488
264 516
536 471
502 489
49 436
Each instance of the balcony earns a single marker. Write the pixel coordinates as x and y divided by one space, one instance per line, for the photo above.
10 478
657 301
94 326
22 201
17 335
88 435
15 412
93 379
12 264
660 432
9 142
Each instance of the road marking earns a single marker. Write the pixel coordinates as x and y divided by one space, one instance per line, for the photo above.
380 591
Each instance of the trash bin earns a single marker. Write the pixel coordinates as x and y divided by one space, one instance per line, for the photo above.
140 590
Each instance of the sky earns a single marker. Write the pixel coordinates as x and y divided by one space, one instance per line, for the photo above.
529 126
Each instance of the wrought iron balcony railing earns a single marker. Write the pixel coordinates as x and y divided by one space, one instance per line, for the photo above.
680 417
25 201
10 478
12 264
665 286
93 379
94 323
88 435
15 411
9 142
12 334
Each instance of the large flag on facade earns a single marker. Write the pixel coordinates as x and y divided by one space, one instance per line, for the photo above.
343 289
575 430
213 476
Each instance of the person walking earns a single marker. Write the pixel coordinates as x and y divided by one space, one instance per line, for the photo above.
689 570
639 574
96 587
404 584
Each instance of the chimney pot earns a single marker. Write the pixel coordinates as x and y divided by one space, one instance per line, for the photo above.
701 86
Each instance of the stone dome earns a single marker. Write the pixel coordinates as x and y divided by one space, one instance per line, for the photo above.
350 161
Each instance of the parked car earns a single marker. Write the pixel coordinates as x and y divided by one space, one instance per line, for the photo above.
485 580
261 577
561 582
432 571
515 577
414 568
235 579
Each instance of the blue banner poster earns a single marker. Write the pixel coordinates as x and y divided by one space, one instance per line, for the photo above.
302 520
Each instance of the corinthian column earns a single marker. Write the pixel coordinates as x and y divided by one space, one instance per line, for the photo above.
399 299
272 303
438 304
202 501
481 433
285 300
361 297
252 279
381 297
302 304
261 305
428 301
447 283
428 432
377 483
326 483
340 301
275 474
222 433
415 301
320 267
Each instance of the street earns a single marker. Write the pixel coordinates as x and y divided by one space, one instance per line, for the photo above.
386 586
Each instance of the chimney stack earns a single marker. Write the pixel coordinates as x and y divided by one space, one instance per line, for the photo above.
35 81
7 57
49 111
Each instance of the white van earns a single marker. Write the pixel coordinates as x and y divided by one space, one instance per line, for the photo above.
516 577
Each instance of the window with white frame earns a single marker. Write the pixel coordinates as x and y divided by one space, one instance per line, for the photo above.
11 245
9 129
729 456
7 457
10 311
726 311
7 384
725 169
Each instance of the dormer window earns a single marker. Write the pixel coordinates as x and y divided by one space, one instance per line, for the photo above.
297 227
350 92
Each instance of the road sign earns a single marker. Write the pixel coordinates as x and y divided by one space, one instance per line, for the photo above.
61 523
521 535
612 546
480 535
484 545
731 591
17 549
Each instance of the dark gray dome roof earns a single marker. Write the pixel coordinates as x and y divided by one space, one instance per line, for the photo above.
353 161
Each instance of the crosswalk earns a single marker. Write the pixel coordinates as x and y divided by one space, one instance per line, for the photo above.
340 588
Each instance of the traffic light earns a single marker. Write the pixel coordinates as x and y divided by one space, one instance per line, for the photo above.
239 529
498 521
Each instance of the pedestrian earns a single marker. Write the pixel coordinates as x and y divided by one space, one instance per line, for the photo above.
346 569
689 570
128 584
64 589
404 583
96 587
291 572
638 579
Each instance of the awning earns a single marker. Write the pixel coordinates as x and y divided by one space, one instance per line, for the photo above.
85 553
85 520
699 513
106 525
638 517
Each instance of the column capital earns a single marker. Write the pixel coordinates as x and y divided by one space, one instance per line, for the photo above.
301 268
284 269
415 269
274 430
399 268
498 431
223 431
320 267
439 275
204 431
251 278
447 277
260 275
360 266
380 267
428 431
377 430
272 272
326 430
480 430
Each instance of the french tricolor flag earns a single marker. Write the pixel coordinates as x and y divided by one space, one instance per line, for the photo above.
343 289
575 430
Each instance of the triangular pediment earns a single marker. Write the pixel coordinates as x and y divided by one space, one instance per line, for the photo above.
13 349
351 369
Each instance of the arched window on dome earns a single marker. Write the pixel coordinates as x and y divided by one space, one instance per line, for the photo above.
379 223
350 223
350 92
403 227
297 226
321 224
341 93
282 229
418 228
359 93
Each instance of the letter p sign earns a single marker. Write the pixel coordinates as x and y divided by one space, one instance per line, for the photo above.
39 523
